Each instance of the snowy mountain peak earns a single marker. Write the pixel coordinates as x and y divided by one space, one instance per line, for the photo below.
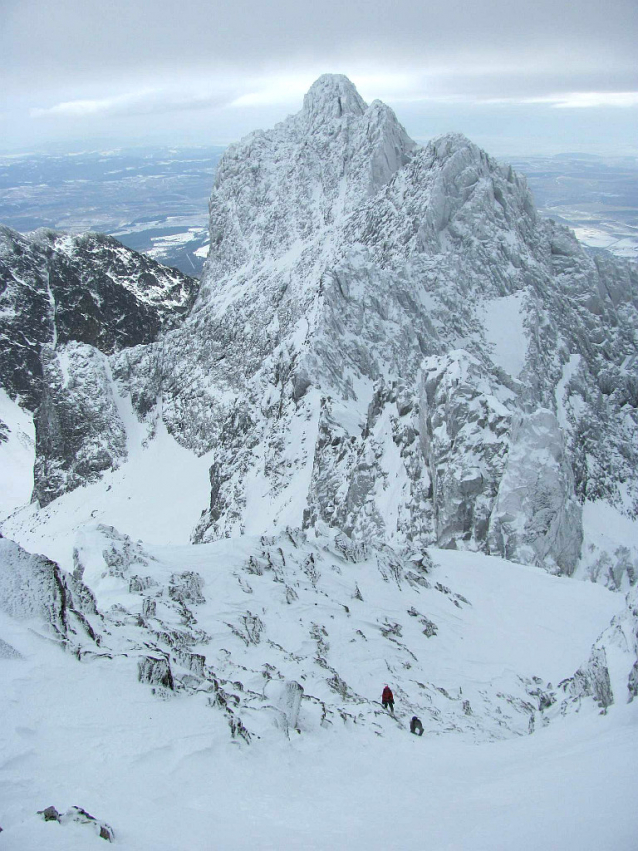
282 188
448 144
332 96
352 275
394 372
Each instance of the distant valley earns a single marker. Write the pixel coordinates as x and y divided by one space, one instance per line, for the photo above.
153 200
596 196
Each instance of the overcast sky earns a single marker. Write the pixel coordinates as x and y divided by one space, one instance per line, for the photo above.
516 76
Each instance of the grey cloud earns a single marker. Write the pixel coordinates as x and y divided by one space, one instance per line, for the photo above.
120 69
48 44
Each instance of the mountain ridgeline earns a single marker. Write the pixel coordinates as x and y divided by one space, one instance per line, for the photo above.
388 343
381 441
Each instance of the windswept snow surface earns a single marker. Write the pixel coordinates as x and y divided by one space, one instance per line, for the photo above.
165 779
156 495
165 775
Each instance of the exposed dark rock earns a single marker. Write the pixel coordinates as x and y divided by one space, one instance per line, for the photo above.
35 586
56 289
49 814
156 671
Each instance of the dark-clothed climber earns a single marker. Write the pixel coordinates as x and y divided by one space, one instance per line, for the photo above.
416 726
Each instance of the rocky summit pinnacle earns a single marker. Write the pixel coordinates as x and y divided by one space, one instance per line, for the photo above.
279 189
332 96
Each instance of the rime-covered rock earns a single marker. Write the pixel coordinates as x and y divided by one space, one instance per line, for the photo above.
592 680
610 674
187 588
465 439
286 696
34 587
536 517
156 671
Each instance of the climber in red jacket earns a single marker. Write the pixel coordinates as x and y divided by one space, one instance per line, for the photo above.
387 699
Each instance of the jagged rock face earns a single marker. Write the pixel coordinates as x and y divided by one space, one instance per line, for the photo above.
536 517
465 439
610 675
34 587
318 165
90 289
79 431
453 196
65 302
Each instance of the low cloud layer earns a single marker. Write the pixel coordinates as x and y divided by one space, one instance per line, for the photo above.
154 102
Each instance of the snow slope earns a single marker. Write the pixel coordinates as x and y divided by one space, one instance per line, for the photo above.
161 770
505 331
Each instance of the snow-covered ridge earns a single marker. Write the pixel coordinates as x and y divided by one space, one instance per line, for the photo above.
65 303
348 265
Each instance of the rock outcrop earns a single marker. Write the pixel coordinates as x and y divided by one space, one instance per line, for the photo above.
78 815
34 587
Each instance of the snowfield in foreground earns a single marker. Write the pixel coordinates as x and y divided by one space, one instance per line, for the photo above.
161 769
